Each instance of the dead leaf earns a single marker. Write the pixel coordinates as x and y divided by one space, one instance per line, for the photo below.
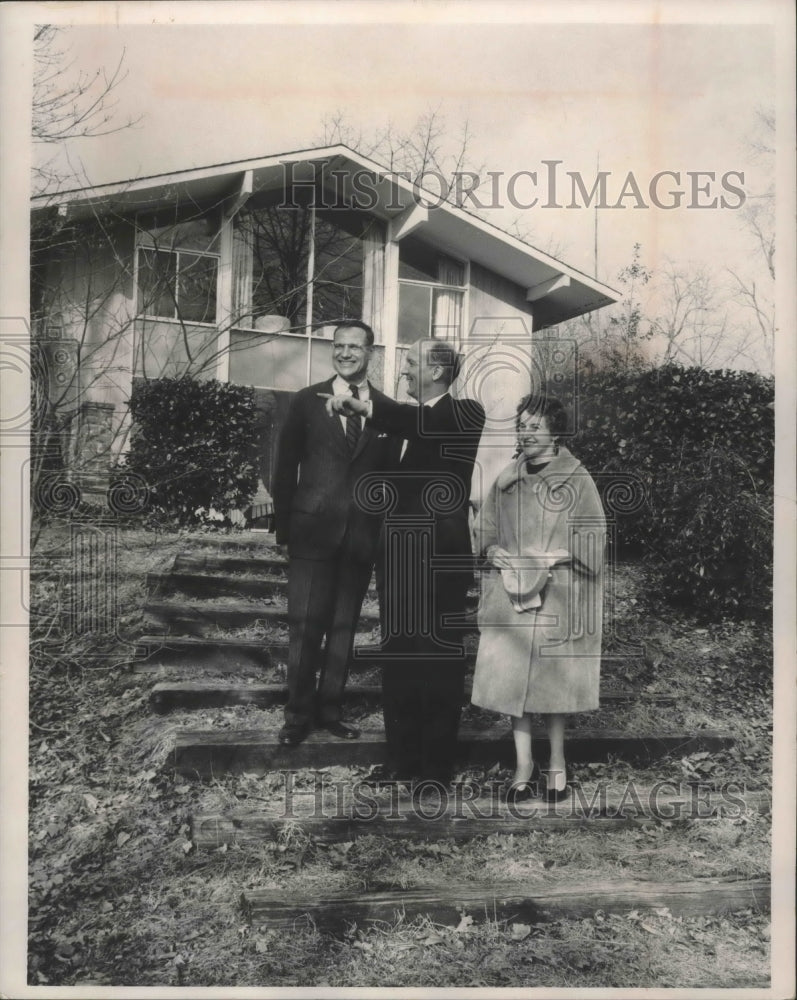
432 939
187 846
91 802
122 838
520 932
182 789
106 907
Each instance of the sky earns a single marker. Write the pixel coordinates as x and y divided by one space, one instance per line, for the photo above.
642 98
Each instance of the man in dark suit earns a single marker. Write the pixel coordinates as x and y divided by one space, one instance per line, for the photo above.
427 560
331 540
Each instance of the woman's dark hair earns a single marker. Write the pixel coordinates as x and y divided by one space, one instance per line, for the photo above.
545 406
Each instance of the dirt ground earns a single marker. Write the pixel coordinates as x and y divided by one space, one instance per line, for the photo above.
119 895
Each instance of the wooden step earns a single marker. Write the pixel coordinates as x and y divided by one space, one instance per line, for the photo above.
228 654
216 585
198 619
154 652
345 813
169 695
229 584
189 562
518 900
204 753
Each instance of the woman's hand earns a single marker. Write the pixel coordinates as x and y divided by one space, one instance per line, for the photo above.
499 557
503 559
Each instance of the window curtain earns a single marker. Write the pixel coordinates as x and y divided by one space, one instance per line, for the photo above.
447 315
242 263
447 307
373 277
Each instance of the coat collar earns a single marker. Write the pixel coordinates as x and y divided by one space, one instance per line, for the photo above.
562 465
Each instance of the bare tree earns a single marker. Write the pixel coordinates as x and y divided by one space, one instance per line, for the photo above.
429 146
696 321
618 336
69 103
754 285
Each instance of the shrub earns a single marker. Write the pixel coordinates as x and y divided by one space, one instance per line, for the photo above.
194 444
701 444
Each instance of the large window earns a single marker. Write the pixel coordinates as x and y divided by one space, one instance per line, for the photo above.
303 269
177 270
431 293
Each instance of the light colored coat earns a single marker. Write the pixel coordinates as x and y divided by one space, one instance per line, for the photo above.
545 659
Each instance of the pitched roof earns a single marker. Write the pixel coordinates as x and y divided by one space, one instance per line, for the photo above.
559 291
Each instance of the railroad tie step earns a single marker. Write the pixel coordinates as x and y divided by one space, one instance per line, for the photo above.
218 585
205 753
189 562
198 619
519 899
331 812
169 695
228 654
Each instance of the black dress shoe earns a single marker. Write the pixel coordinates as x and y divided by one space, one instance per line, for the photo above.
554 794
522 791
291 734
341 729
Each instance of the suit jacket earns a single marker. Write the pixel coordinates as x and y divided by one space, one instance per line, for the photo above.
434 475
315 478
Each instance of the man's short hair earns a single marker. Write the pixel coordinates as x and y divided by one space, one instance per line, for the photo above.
441 352
356 324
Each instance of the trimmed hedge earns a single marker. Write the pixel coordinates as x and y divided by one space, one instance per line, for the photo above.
701 444
194 444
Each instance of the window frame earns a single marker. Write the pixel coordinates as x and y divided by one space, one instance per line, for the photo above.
176 251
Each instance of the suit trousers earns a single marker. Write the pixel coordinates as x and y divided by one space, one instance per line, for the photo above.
324 599
422 690
422 703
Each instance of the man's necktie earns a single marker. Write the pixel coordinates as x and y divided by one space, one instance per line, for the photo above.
353 424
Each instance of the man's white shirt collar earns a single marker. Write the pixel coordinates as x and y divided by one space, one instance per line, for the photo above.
340 387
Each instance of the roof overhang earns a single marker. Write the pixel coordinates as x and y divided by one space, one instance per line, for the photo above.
558 292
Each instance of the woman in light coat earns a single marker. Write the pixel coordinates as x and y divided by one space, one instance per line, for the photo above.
543 532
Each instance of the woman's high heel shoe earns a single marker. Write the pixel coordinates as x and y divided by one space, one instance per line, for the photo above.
551 793
525 790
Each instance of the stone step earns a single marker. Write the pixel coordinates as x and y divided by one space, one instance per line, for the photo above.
529 900
154 652
199 619
206 752
331 812
169 695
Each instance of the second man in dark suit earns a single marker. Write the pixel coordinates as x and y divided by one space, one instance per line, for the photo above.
427 559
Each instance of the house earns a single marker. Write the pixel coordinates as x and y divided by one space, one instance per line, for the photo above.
239 272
